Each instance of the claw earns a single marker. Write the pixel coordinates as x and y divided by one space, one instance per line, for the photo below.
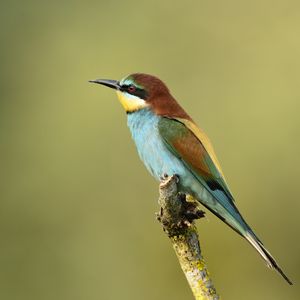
194 214
164 176
177 177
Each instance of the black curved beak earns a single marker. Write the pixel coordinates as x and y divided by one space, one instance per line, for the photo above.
114 84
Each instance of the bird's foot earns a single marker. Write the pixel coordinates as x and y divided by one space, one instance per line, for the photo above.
164 176
165 179
191 209
195 214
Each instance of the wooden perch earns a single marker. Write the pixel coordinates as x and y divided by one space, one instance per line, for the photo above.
177 217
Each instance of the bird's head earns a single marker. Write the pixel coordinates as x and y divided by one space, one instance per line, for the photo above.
138 91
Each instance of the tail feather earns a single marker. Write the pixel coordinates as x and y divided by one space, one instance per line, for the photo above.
228 213
265 254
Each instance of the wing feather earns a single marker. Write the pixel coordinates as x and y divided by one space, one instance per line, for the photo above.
185 140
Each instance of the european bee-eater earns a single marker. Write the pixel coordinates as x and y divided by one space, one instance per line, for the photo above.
169 142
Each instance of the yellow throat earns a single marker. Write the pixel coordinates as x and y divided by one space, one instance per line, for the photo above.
131 103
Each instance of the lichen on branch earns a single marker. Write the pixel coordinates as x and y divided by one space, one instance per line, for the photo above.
177 216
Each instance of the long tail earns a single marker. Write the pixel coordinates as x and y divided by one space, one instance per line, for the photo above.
221 204
265 254
228 212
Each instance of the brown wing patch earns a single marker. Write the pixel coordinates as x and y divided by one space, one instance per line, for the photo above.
192 151
185 144
202 137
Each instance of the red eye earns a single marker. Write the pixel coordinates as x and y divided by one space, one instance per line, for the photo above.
131 89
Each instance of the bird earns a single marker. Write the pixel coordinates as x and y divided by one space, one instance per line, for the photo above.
169 142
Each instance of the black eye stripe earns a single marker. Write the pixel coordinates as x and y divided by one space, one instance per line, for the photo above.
139 92
131 89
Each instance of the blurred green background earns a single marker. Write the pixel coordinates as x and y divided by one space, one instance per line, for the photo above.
77 206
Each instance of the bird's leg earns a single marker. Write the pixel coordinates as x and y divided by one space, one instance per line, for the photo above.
187 207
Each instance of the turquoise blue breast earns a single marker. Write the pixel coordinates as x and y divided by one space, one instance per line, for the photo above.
143 125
